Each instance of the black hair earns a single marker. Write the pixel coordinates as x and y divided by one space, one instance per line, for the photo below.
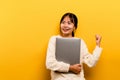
73 19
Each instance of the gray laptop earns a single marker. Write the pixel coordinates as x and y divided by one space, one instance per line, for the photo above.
68 50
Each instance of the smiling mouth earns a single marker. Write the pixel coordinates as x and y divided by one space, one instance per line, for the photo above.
65 30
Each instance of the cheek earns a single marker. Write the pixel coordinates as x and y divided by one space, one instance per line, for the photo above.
72 30
61 25
72 27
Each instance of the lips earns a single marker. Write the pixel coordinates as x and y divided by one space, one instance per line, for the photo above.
66 29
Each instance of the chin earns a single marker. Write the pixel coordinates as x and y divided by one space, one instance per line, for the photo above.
65 32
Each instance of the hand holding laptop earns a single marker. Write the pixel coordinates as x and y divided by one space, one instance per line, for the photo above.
76 68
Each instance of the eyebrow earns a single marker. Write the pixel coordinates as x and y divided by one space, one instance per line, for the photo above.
67 21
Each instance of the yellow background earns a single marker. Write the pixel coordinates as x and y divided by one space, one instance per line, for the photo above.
27 25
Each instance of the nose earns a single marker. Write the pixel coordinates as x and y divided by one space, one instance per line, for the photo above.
65 24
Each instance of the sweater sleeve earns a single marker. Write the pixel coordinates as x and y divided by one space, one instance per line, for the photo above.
51 62
88 58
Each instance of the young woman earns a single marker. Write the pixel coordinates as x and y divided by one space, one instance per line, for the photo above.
60 70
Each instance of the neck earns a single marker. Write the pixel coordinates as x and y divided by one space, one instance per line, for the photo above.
67 36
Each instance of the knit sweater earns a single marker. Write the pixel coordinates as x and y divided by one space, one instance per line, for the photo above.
63 68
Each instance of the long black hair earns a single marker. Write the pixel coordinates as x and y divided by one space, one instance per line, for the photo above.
73 19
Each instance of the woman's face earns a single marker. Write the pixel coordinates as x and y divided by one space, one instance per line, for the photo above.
67 26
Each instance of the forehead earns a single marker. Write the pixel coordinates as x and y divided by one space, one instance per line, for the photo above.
67 18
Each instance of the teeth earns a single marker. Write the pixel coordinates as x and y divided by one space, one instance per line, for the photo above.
66 29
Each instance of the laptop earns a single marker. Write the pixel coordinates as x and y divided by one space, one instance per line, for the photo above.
68 50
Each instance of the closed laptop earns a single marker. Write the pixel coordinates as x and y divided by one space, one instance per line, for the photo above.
68 50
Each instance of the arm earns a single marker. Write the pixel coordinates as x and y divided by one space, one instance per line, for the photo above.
51 62
91 59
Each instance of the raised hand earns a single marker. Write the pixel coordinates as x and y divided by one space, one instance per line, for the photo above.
98 39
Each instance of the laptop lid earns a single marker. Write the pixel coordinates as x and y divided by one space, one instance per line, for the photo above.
68 50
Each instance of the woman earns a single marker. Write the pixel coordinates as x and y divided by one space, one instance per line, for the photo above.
60 70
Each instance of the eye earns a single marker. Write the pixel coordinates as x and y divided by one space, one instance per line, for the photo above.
69 22
63 22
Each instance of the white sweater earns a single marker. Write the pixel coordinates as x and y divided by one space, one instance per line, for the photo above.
63 68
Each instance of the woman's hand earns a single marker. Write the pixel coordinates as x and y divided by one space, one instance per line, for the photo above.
98 39
76 68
